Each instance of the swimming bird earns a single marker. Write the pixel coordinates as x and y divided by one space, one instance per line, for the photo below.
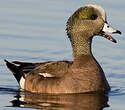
83 74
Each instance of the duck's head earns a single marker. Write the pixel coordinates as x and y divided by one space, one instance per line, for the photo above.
89 21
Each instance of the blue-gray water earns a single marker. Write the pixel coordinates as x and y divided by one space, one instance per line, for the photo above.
34 31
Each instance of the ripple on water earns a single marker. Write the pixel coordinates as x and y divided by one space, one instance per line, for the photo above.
34 30
117 91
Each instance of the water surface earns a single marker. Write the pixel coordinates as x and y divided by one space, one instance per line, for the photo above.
34 31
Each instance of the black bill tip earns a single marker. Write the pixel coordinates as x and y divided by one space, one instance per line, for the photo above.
114 41
117 32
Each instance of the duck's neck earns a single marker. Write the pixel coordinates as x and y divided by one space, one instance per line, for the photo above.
81 46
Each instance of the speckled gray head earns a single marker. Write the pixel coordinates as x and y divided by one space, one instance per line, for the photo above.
89 21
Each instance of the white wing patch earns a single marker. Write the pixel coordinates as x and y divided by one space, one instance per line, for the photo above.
46 75
22 82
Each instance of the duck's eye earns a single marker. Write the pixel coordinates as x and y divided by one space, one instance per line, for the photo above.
93 17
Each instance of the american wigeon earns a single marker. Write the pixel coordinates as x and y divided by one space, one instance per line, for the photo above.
83 74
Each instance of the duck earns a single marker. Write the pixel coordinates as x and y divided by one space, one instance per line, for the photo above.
82 75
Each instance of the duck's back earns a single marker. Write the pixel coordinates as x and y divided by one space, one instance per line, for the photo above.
48 77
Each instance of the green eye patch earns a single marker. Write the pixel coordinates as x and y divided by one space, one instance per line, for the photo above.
86 14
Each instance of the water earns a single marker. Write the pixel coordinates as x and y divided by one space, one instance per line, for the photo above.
34 30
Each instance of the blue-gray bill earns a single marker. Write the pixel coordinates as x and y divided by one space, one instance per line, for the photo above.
109 29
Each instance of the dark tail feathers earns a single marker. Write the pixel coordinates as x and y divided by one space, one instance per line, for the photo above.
15 70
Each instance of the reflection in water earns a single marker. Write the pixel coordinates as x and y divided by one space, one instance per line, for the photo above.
61 102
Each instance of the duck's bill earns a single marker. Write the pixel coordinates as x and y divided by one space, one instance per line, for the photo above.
109 29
